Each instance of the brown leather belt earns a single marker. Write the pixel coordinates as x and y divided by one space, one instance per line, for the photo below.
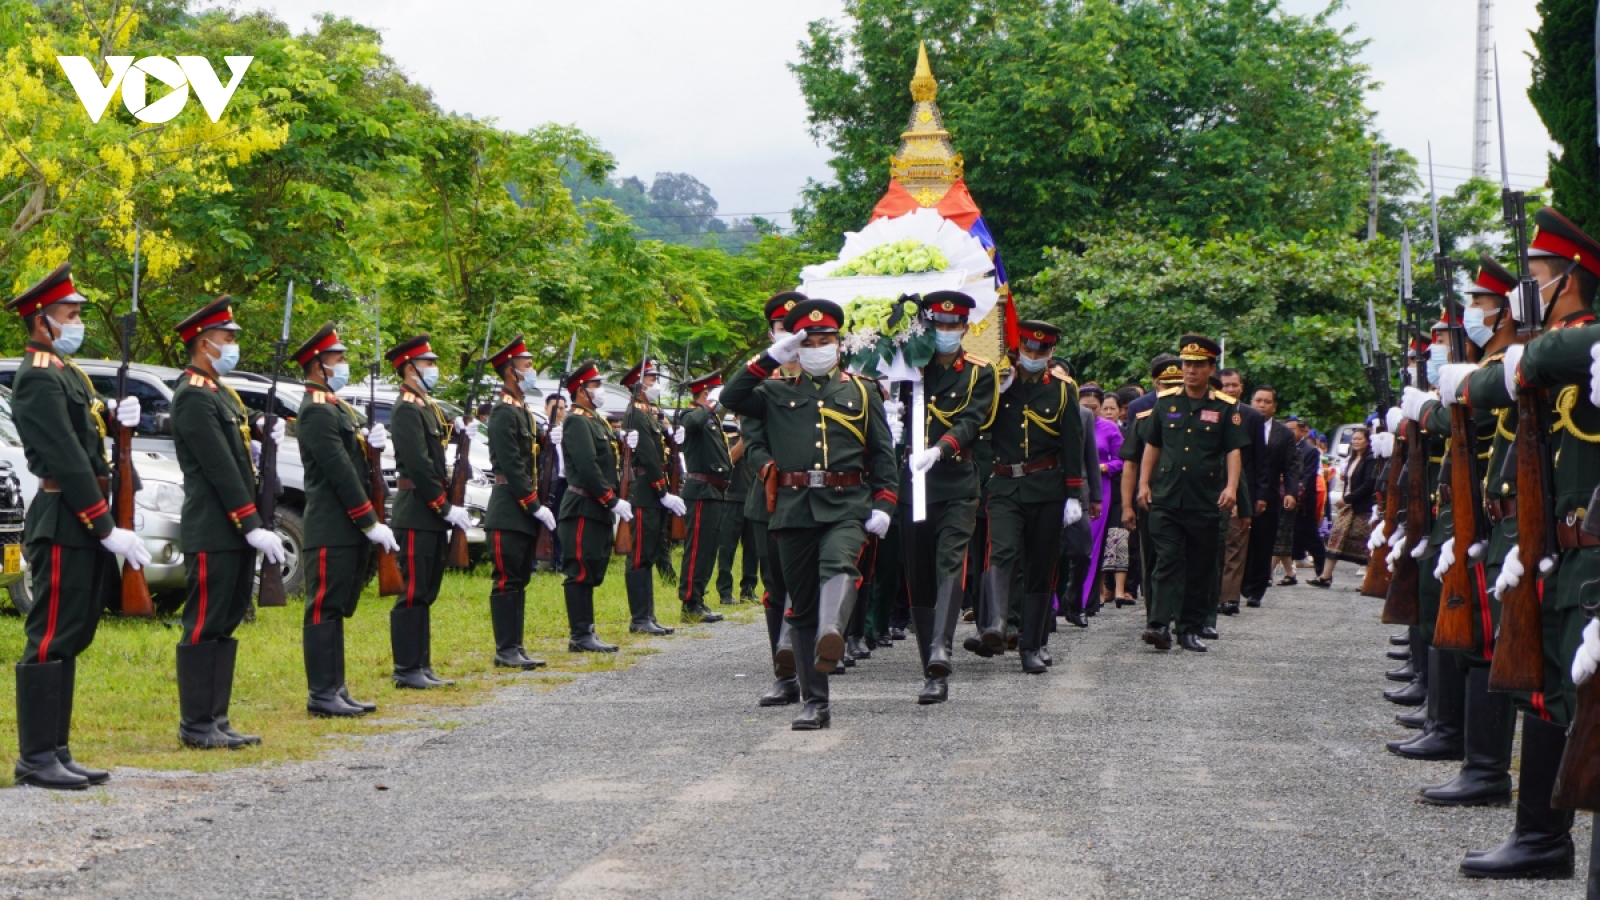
1501 510
1017 470
818 478
720 484
1570 534
51 486
404 484
500 479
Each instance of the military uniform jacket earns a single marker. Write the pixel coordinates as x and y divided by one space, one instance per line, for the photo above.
1138 416
826 423
338 509
649 458
511 452
1485 389
744 474
420 434
211 432
57 414
1559 361
591 454
754 434
961 400
1037 422
1194 437
705 452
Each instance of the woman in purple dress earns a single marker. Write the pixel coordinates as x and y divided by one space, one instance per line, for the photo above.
1108 440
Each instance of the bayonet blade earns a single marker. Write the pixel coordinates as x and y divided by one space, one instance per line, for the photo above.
137 237
1433 201
1500 121
288 311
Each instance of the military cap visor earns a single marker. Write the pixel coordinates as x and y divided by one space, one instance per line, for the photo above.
1558 237
326 340
648 367
704 383
57 287
216 314
948 307
1036 335
578 377
517 349
410 350
1492 278
1198 348
780 304
816 316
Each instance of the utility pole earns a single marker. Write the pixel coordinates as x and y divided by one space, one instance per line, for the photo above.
1372 197
1485 87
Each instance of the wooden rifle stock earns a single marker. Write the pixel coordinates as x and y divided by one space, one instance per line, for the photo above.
1578 779
623 545
1519 650
1402 605
1376 581
389 583
678 529
458 557
544 549
1453 628
270 592
135 591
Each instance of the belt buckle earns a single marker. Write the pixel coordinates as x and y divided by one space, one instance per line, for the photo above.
814 478
1017 470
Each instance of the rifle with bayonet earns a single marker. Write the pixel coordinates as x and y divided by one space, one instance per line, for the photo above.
544 548
1375 583
135 590
623 545
459 558
271 589
679 527
389 581
1402 604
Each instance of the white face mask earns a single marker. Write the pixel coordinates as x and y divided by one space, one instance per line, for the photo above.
819 360
527 379
228 358
947 341
430 378
340 376
1438 355
1472 319
653 393
1029 364
69 338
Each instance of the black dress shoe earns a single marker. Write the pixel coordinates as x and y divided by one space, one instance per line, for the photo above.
1401 655
1188 641
515 659
1158 636
783 692
411 680
1044 654
747 597
648 626
1413 694
1076 617
813 716
344 694
727 600
1209 633
973 645
848 660
333 708
1032 664
934 690
896 633
1231 608
1413 719
93 776
589 643
856 648
700 614
1403 673
1253 603
1430 745
433 678
1403 639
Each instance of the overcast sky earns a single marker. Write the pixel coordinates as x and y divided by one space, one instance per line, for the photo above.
701 86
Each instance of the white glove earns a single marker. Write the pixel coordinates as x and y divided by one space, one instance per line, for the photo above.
127 545
1072 513
786 348
545 517
462 428
1447 556
1475 552
1392 419
255 453
1594 376
1511 573
678 435
1383 445
377 436
1511 364
1420 550
457 517
631 438
1376 518
1010 376
556 433
1377 539
673 503
267 543
894 413
1399 535
623 510
1451 377
127 411
1588 656
877 523
1411 402
383 536
278 427
923 460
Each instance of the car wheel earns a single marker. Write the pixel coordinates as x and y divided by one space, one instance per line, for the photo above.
21 592
291 527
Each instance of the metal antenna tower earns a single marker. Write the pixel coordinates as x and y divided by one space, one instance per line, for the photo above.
1484 96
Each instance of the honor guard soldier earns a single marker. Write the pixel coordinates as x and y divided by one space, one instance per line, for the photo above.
1188 479
590 507
708 463
423 515
515 508
68 536
221 530
340 522
834 476
961 397
1038 474
1166 371
1566 263
736 531
645 434
774 596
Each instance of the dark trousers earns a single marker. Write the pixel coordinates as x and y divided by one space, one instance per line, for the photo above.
888 604
220 583
422 556
1184 581
977 559
70 588
703 527
651 538
586 549
810 557
512 555
1308 536
935 549
558 489
737 535
334 579
1025 540
1258 558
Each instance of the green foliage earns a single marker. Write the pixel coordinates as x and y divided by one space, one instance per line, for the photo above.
676 208
1563 92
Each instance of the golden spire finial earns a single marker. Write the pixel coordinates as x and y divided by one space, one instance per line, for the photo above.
927 163
923 87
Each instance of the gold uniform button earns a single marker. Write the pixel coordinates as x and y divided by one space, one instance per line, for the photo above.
819 443
819 404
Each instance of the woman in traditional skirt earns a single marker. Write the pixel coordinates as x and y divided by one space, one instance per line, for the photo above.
1352 523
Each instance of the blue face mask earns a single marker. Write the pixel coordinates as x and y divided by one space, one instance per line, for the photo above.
1438 355
528 379
947 341
340 376
1472 318
1029 364
228 361
430 378
70 339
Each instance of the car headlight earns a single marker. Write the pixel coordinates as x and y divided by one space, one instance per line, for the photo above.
161 496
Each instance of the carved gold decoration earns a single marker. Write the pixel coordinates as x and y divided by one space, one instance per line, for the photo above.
927 163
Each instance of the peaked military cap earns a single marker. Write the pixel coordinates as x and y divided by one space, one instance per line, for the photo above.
409 350
1558 237
517 349
56 287
949 307
216 314
816 316
1492 278
326 340
780 304
1036 335
1198 348
645 367
704 382
584 373
1165 367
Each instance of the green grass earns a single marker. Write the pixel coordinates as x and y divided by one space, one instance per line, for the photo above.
126 711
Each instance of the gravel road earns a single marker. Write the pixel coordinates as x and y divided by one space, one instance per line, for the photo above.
1255 770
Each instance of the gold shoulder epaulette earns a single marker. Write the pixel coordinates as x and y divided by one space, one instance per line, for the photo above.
1169 392
1143 413
1218 395
977 360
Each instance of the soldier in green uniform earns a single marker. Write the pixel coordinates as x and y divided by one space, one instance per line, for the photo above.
1561 361
1038 472
834 471
340 521
1188 480
423 515
644 433
961 397
68 536
221 531
515 508
590 507
785 687
1166 372
737 537
708 464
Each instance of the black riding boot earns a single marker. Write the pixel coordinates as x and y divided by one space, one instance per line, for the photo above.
1540 846
69 678
344 685
323 645
996 598
407 626
39 689
814 714
427 651
507 613
855 635
1034 608
1485 780
935 689
580 621
197 684
222 691
641 585
1415 693
834 605
785 688
946 612
1445 739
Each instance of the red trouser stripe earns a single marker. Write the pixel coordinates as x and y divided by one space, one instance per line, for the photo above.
694 553
1483 611
1539 707
638 538
577 551
55 604
322 585
499 566
411 566
205 597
